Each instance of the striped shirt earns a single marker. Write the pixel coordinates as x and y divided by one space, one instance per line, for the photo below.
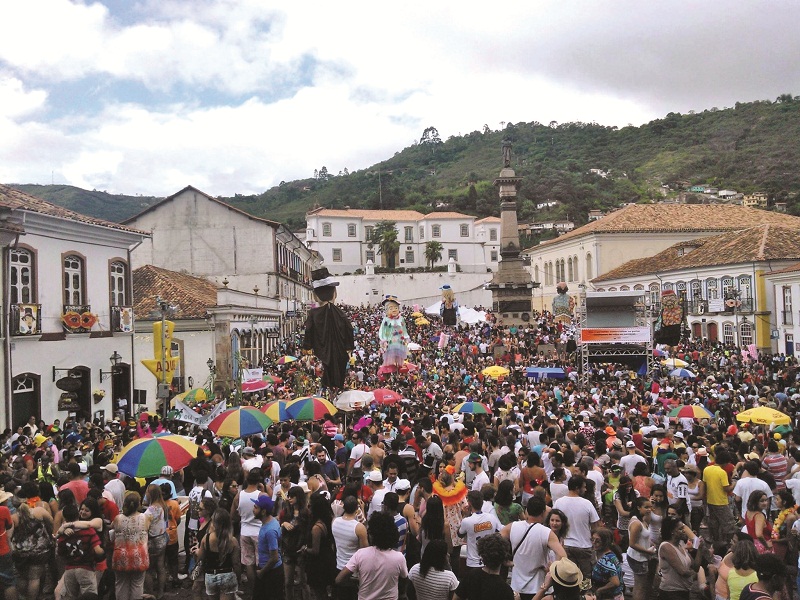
436 585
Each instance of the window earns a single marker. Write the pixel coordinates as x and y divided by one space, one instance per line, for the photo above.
787 299
464 230
746 333
624 288
727 333
409 234
493 258
436 231
588 266
369 255
21 267
452 254
493 235
655 294
695 289
368 232
73 280
116 285
409 257
422 232
326 229
337 255
712 290
569 267
744 286
351 230
727 287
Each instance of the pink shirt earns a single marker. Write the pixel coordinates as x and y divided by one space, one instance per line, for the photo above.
378 572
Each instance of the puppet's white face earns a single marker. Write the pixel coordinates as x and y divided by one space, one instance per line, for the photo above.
392 310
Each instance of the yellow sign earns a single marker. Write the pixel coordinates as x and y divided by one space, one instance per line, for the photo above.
154 364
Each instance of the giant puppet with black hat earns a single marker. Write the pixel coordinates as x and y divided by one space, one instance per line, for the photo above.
393 334
329 333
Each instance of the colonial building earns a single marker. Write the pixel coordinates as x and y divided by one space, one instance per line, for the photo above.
341 237
636 231
68 296
198 234
720 278
783 299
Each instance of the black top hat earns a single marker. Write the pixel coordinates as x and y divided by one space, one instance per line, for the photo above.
321 278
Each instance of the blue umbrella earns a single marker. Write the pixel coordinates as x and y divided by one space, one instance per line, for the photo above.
684 373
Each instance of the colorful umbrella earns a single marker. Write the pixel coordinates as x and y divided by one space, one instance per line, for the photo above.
763 415
690 411
193 396
276 411
239 422
684 373
473 408
495 371
285 360
144 457
386 396
408 367
272 379
310 408
674 363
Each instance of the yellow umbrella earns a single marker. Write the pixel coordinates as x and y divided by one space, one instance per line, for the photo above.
416 314
495 371
674 363
763 415
422 321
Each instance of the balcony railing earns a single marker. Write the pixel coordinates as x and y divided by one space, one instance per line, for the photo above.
25 319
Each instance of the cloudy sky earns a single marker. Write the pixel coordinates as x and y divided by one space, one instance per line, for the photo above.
233 96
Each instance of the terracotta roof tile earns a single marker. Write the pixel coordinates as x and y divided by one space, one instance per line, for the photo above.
17 200
488 220
385 215
193 295
790 269
756 244
659 218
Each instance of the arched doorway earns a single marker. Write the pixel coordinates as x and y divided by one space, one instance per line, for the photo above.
26 401
713 332
697 330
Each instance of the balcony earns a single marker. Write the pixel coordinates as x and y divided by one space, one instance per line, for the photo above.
25 319
78 318
122 319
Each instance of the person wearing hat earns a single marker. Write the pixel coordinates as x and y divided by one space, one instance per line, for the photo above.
328 331
611 434
531 542
269 581
448 309
166 478
393 334
565 578
113 484
375 483
631 459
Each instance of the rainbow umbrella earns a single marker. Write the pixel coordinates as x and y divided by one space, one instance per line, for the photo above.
310 408
272 379
276 411
473 408
285 360
193 396
386 396
674 363
239 422
690 411
145 457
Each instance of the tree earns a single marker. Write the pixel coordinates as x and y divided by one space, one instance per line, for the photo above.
430 137
433 252
323 174
384 236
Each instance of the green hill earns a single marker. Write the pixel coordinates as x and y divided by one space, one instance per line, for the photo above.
750 147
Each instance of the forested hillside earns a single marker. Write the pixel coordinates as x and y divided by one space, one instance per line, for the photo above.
750 147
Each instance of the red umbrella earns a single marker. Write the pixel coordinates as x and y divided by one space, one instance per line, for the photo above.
385 396
409 368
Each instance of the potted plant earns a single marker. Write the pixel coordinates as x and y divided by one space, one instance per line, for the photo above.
98 395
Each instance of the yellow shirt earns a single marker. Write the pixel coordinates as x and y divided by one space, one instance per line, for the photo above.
716 480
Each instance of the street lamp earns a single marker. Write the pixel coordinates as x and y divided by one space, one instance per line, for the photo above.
115 359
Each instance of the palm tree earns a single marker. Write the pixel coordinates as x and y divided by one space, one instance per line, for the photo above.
384 236
433 252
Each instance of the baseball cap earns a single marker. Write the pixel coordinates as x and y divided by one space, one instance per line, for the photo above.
112 468
630 445
678 434
474 457
77 453
84 467
167 470
402 484
249 450
338 437
375 476
264 502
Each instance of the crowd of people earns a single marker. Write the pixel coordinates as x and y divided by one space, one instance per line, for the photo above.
569 488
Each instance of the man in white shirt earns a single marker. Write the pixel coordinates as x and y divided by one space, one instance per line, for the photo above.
375 483
677 486
476 526
250 460
583 519
113 484
631 459
480 479
748 483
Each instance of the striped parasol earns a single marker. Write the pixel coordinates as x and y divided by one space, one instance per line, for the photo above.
239 422
144 457
310 408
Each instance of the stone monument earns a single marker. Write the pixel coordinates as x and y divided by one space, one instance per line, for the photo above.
511 286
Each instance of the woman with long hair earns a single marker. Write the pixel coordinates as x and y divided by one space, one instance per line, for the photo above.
431 578
295 527
131 559
208 507
624 498
658 499
157 539
453 493
642 482
217 550
233 468
641 549
758 527
782 537
771 584
320 552
507 470
678 569
743 557
32 546
607 571
696 493
726 564
432 525
505 508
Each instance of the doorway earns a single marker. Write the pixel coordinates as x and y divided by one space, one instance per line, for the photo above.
26 400
713 332
121 388
789 344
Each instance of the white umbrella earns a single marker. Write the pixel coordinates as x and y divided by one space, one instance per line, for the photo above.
350 400
414 346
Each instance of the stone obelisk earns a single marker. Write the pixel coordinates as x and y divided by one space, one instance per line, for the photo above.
512 286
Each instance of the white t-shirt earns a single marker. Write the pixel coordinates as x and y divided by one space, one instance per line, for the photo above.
475 527
357 453
677 488
531 556
581 514
746 486
629 462
480 480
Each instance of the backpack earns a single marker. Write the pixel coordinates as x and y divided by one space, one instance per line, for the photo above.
32 541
